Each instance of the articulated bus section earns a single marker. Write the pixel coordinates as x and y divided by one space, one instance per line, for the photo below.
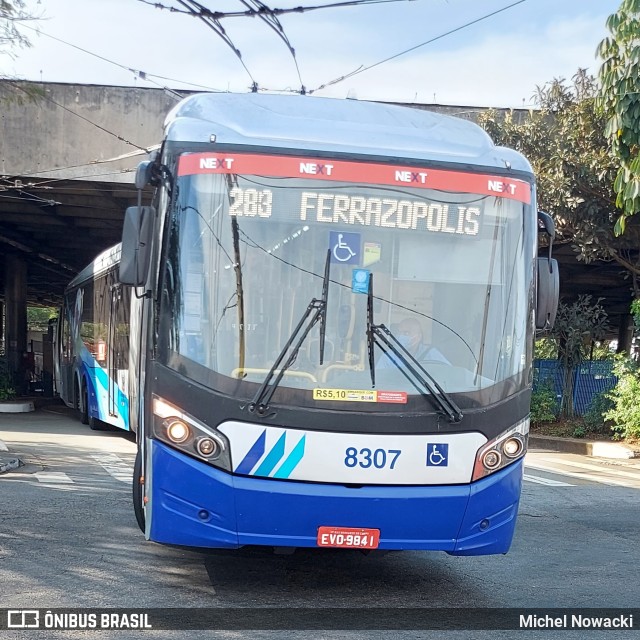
93 344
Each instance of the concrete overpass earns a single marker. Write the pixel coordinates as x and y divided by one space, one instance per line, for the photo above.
67 160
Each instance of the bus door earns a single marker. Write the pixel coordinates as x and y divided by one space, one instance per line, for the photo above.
64 357
118 365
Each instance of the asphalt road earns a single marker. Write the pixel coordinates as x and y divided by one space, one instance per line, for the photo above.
68 538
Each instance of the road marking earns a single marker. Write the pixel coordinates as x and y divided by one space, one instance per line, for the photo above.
582 476
595 467
53 477
546 481
115 466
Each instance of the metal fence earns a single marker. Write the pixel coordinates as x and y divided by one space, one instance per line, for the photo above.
590 378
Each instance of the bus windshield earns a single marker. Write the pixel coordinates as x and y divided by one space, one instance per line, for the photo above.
246 255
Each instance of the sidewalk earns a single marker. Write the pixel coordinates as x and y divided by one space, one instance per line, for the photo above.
592 448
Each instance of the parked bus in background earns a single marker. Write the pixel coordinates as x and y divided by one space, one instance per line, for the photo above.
276 398
92 344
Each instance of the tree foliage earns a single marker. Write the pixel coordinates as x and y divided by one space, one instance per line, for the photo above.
546 349
625 413
7 389
577 325
619 100
38 317
11 12
565 143
544 404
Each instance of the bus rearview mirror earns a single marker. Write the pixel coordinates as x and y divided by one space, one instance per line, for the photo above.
548 293
136 245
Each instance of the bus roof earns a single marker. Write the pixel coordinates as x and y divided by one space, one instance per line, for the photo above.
108 259
330 125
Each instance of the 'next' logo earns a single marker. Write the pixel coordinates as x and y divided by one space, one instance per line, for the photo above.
502 187
216 163
316 169
411 176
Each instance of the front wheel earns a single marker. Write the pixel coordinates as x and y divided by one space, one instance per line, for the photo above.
138 491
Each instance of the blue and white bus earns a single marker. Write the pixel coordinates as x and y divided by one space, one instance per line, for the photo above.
92 354
288 240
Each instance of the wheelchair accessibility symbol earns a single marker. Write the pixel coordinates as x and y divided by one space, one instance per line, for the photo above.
437 455
345 247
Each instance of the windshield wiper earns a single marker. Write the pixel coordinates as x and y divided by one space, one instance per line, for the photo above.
316 311
379 334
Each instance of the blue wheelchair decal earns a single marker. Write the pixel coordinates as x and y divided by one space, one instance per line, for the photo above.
437 455
345 247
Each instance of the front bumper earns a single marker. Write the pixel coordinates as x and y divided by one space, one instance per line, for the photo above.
194 504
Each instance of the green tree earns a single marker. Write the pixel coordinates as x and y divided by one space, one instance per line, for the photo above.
546 349
11 12
7 389
619 99
564 141
577 325
625 412
38 317
544 405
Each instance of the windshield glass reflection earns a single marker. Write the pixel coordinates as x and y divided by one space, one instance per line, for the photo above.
246 254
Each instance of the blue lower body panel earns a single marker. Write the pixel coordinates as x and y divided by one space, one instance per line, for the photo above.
193 504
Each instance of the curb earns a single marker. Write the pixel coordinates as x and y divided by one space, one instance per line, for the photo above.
17 406
594 448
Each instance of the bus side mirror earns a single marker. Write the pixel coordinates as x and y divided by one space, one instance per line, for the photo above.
143 174
548 289
548 293
136 245
547 223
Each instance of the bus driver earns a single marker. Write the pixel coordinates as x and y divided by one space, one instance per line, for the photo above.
409 334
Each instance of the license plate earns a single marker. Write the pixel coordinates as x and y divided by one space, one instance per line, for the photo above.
345 537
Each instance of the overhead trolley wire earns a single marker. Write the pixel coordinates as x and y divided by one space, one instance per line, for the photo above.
362 69
143 75
255 8
199 11
252 13
269 18
16 85
39 173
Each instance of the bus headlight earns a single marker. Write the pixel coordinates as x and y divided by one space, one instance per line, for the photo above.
187 434
513 446
491 459
207 447
506 448
177 431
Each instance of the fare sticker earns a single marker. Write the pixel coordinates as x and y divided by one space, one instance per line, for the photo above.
360 395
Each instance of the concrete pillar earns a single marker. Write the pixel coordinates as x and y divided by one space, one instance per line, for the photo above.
625 334
15 291
47 364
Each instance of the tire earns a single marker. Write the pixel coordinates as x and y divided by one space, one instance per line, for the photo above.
83 401
138 492
85 418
